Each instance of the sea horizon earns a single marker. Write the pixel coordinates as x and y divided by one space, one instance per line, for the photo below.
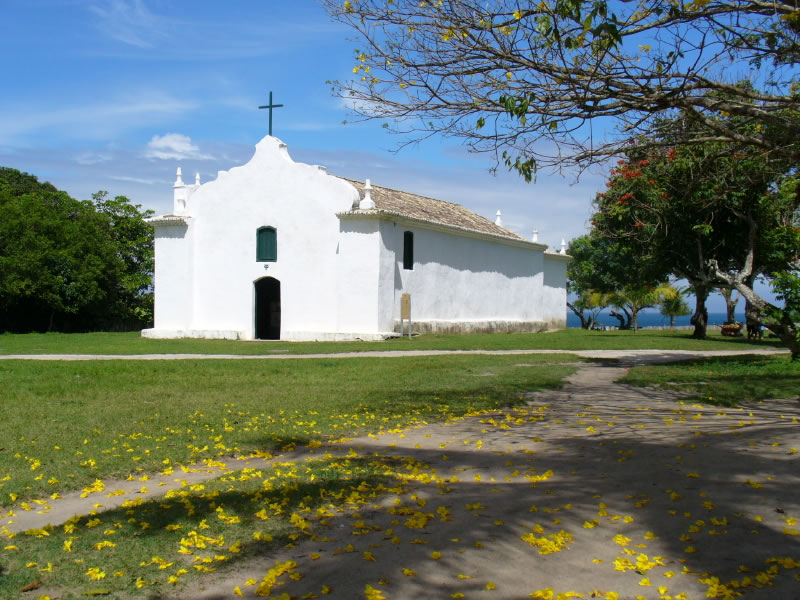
654 319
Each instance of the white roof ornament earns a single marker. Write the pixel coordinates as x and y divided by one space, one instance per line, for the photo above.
535 237
499 220
180 195
197 178
367 202
563 246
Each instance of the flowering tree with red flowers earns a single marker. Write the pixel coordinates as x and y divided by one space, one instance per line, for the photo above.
712 214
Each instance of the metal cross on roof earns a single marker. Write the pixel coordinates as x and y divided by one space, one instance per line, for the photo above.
270 106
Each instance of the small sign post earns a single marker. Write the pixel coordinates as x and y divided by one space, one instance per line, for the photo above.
405 313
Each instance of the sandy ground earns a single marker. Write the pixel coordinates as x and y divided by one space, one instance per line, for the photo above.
597 489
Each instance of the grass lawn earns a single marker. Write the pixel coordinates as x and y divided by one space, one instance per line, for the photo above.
724 381
66 423
565 339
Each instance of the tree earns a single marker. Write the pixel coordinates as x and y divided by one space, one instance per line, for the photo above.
687 205
67 264
601 266
572 82
674 305
600 273
133 241
731 300
56 260
633 299
782 239
594 302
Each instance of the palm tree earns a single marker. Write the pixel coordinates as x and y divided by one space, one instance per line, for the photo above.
675 305
633 299
594 302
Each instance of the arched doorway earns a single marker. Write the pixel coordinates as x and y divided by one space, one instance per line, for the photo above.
268 309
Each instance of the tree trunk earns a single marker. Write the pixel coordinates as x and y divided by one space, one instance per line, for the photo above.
790 336
776 320
700 316
730 307
730 303
752 316
672 321
624 321
635 318
584 323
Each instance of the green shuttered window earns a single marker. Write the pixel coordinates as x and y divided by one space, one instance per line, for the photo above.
266 244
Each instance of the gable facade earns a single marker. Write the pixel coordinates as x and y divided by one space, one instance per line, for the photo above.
276 249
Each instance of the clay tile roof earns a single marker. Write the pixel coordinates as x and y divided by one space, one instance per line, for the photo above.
421 208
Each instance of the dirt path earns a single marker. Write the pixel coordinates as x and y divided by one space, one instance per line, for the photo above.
626 490
636 494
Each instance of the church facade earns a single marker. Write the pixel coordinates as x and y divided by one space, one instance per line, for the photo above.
276 249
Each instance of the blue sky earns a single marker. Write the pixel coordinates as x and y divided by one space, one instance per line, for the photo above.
116 94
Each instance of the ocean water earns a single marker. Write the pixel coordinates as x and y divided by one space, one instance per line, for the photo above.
653 319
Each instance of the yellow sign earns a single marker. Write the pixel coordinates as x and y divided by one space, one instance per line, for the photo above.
405 306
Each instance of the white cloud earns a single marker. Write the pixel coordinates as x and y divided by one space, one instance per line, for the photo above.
101 120
131 23
91 158
141 180
174 146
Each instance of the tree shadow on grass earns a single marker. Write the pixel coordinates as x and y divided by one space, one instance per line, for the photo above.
389 409
658 493
664 465
205 518
700 489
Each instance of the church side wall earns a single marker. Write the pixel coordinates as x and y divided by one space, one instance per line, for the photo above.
461 283
554 291
358 261
172 281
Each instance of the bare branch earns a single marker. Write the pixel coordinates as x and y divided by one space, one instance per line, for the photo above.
569 83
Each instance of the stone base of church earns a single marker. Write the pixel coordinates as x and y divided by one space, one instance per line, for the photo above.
437 326
286 336
316 336
216 334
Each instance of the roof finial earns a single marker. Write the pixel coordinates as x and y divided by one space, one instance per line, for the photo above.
270 106
180 194
563 246
535 235
367 202
499 220
197 178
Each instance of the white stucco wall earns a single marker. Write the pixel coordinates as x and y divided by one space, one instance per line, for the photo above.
300 201
172 281
358 264
460 282
341 274
554 290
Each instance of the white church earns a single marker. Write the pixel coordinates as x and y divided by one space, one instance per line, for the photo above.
280 250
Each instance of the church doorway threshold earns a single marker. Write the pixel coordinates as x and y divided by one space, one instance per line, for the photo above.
268 309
